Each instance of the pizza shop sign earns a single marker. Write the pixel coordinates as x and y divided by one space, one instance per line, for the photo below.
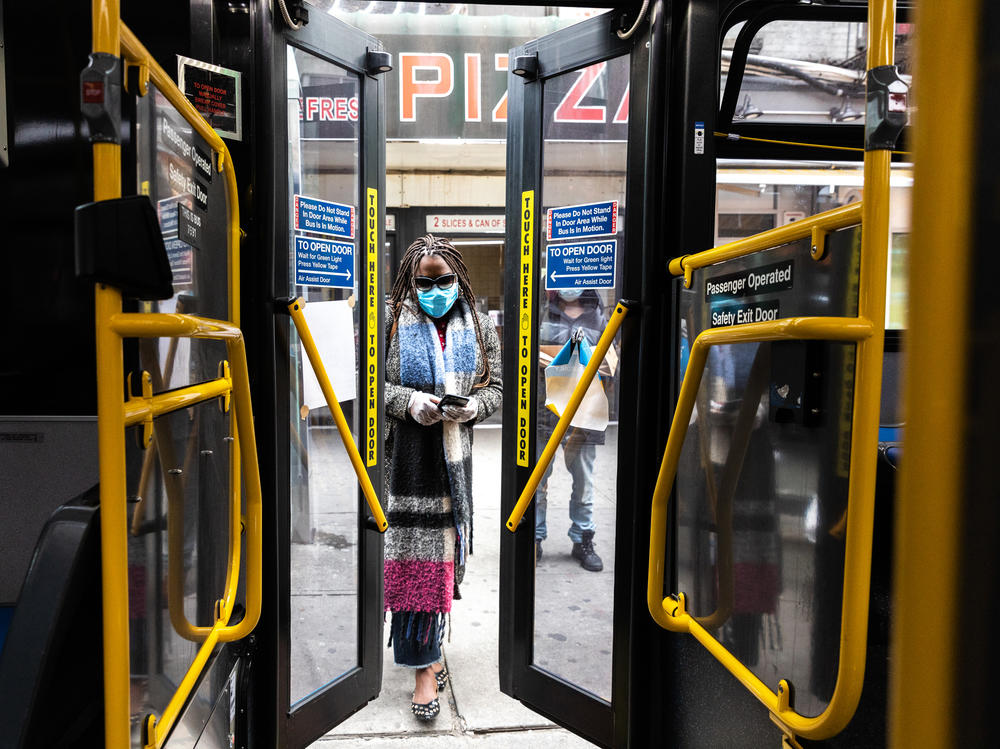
449 92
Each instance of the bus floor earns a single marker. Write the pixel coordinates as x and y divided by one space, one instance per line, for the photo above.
474 713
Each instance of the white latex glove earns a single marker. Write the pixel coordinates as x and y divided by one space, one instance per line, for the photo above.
461 413
423 408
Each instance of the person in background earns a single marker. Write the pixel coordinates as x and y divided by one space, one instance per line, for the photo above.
570 312
438 344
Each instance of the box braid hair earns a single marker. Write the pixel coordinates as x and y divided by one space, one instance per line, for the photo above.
405 287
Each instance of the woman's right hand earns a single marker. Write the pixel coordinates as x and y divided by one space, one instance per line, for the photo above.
423 408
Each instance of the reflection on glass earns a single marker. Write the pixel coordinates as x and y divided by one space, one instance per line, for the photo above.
178 487
762 480
177 181
323 188
178 491
807 71
575 504
898 281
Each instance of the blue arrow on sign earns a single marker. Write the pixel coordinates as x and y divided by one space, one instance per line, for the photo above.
320 262
581 265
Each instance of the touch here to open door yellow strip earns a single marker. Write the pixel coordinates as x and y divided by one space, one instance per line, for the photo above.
302 326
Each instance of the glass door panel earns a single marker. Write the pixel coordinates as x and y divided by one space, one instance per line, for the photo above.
323 189
582 205
327 158
572 254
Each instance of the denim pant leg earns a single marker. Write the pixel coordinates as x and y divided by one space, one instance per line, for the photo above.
541 504
580 462
422 647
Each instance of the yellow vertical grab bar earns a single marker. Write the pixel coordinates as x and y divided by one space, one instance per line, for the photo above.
928 704
299 318
111 432
600 350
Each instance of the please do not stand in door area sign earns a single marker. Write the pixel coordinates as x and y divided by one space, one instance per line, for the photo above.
582 221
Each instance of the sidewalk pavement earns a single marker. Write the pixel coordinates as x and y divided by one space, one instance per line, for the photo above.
474 713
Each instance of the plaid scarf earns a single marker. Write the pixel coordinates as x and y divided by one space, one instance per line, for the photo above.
429 486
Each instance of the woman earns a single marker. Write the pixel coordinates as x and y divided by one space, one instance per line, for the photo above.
438 345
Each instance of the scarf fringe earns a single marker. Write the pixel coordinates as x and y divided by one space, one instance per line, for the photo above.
417 627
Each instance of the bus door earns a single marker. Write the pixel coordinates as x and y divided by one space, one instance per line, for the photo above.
327 175
574 150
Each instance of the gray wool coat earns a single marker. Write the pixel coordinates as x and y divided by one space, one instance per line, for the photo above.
424 559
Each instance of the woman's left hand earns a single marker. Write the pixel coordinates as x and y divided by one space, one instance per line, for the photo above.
461 413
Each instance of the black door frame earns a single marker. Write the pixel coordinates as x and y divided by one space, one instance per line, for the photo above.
274 721
574 47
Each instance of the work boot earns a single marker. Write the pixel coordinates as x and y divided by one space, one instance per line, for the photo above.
584 551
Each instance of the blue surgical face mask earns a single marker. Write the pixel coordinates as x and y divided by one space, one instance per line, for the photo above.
436 302
570 294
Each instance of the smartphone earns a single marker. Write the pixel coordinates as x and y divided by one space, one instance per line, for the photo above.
452 400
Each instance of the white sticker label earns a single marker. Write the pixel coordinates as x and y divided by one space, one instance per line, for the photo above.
699 137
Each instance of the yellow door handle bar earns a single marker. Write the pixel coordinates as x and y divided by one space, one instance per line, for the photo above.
814 227
670 612
138 325
600 350
298 317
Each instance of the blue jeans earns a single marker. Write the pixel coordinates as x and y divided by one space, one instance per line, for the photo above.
579 458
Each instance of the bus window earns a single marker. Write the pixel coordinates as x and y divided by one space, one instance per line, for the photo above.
806 71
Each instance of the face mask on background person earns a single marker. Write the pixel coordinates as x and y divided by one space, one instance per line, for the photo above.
570 294
437 301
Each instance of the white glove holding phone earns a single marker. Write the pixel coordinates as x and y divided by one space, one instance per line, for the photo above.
461 413
423 407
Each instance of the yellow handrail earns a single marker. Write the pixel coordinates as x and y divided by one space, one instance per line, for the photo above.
134 53
111 37
937 517
137 325
600 350
111 432
814 227
302 326
670 613
868 331
139 409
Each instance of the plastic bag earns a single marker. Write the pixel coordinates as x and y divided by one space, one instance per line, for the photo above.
561 377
